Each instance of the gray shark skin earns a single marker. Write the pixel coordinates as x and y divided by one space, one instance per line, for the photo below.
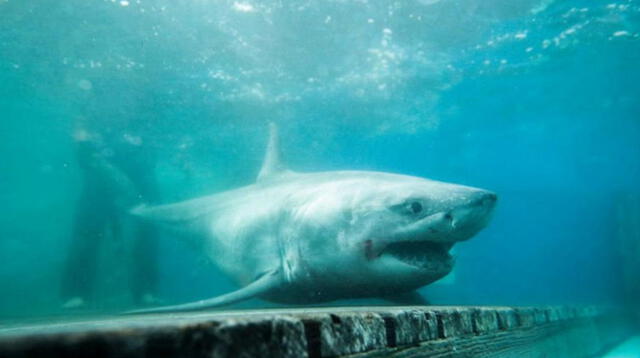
306 238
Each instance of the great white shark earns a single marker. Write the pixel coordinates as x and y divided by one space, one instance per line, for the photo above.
300 238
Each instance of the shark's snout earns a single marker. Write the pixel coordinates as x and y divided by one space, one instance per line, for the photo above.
485 199
465 220
456 220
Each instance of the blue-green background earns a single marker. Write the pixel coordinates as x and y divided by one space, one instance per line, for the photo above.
537 100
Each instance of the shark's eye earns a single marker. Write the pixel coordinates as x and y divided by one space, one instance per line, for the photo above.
416 207
408 208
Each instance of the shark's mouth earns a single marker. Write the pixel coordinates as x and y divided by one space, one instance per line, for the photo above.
422 254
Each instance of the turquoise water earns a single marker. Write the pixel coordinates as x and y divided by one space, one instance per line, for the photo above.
628 349
535 100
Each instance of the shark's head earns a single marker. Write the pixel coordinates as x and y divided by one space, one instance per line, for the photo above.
415 222
391 231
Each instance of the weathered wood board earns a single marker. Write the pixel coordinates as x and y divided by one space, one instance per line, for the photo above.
416 331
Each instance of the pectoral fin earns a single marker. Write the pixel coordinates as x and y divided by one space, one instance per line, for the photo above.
263 284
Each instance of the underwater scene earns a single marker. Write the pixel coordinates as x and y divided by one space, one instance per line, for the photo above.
215 154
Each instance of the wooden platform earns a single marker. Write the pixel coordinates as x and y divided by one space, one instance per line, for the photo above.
424 331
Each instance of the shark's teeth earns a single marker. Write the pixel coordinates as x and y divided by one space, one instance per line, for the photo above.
423 254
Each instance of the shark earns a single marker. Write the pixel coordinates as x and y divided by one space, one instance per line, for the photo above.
308 238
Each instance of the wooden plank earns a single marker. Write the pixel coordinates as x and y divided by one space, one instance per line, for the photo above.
416 331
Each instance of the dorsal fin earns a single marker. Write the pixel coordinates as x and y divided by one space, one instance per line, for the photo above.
271 165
